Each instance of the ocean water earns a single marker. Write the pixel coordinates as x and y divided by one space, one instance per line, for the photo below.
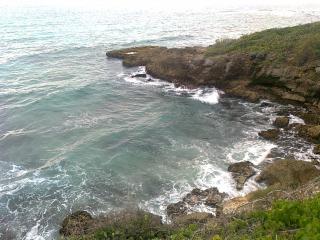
78 132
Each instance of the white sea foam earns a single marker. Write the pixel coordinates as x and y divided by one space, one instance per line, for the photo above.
256 151
211 175
209 95
205 95
15 132
17 171
33 234
201 208
295 119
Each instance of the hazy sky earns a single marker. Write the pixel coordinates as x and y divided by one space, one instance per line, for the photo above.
153 3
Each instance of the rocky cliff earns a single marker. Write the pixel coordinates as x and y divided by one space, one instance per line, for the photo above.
289 72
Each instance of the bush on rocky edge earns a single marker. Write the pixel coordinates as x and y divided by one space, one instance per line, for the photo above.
300 44
287 219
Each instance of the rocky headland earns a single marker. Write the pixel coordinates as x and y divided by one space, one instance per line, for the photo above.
280 65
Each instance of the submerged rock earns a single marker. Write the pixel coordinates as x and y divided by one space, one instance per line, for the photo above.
271 134
210 197
288 173
241 172
281 122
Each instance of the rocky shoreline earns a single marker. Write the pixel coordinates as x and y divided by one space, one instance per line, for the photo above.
252 76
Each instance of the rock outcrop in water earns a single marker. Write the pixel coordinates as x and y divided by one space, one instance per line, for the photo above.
210 197
270 134
286 180
281 122
241 71
241 172
288 173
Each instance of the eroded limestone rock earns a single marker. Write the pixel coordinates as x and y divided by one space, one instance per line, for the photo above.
281 122
241 172
271 134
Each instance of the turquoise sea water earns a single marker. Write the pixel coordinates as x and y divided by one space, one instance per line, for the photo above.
77 132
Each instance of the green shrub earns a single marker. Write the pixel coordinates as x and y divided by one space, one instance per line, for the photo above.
286 220
301 43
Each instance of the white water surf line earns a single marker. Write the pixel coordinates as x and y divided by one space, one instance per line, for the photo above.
205 95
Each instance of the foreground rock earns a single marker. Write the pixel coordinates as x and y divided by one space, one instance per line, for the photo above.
76 224
210 197
286 179
197 217
288 173
132 222
241 172
271 134
281 122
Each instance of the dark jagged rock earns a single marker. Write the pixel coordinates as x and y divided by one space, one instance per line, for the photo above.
241 172
139 75
266 104
288 173
281 122
177 209
271 134
210 197
76 223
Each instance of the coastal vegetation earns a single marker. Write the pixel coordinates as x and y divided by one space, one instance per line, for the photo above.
296 45
287 219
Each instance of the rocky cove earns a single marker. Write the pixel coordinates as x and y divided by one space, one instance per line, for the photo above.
244 68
